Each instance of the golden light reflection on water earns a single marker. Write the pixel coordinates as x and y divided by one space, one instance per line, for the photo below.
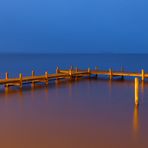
136 120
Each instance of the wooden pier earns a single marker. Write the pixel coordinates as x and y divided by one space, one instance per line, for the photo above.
72 74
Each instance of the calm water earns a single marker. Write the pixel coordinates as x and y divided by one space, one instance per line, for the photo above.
73 114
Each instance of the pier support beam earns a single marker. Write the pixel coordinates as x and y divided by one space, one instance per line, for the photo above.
142 74
136 91
110 73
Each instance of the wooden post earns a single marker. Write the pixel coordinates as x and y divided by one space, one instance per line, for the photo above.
46 78
57 70
20 80
110 73
76 77
71 67
136 91
76 69
89 71
70 74
33 73
142 74
6 78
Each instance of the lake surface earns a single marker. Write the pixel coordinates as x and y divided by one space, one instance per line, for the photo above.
88 113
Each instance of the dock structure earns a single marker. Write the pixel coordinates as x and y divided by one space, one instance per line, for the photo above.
71 74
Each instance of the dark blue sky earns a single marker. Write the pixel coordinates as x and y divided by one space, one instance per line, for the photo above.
74 26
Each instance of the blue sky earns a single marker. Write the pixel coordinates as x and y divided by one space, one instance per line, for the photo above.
68 26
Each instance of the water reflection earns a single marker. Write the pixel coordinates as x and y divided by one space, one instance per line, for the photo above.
6 93
70 88
136 120
142 87
110 87
6 90
46 93
33 85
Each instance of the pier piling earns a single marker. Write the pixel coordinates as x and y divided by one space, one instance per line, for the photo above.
33 74
110 73
136 91
6 78
76 69
57 70
70 74
46 78
142 74
89 72
21 77
76 77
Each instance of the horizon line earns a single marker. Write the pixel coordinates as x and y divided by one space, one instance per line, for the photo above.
73 52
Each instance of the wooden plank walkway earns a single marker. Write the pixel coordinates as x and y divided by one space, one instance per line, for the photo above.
68 74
